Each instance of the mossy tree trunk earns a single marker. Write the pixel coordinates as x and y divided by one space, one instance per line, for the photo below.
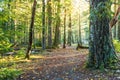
101 50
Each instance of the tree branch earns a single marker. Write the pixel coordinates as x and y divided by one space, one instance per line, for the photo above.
115 18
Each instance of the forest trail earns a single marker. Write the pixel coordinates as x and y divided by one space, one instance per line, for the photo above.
61 64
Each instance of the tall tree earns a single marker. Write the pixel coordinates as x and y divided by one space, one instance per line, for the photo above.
31 30
49 9
43 26
69 31
64 39
57 28
80 40
79 34
101 50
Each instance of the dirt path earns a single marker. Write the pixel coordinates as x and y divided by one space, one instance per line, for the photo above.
62 64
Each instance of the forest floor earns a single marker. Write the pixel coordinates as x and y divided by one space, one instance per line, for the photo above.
63 64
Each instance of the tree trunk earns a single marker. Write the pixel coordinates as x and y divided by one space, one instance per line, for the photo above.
49 8
64 40
43 26
101 50
79 38
57 28
69 31
31 30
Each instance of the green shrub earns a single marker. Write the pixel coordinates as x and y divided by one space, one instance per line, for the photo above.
6 64
9 74
117 45
4 43
20 53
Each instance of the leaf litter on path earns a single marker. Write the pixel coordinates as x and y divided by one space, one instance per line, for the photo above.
62 64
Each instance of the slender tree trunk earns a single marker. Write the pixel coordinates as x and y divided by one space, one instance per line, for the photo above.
43 26
49 8
64 40
101 51
69 31
79 38
31 30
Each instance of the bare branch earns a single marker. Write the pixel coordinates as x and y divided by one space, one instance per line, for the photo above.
115 18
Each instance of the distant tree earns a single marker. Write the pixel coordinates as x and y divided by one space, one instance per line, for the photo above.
69 31
64 39
79 35
101 50
43 26
31 30
49 12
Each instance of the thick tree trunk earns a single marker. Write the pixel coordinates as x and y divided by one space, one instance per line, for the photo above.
101 50
43 26
64 40
57 28
31 30
49 8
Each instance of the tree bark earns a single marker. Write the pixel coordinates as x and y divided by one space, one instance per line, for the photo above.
101 50
31 30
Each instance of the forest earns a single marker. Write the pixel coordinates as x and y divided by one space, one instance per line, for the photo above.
59 39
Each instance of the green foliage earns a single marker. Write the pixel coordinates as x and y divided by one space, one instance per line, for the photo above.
4 43
117 45
20 53
9 74
6 64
